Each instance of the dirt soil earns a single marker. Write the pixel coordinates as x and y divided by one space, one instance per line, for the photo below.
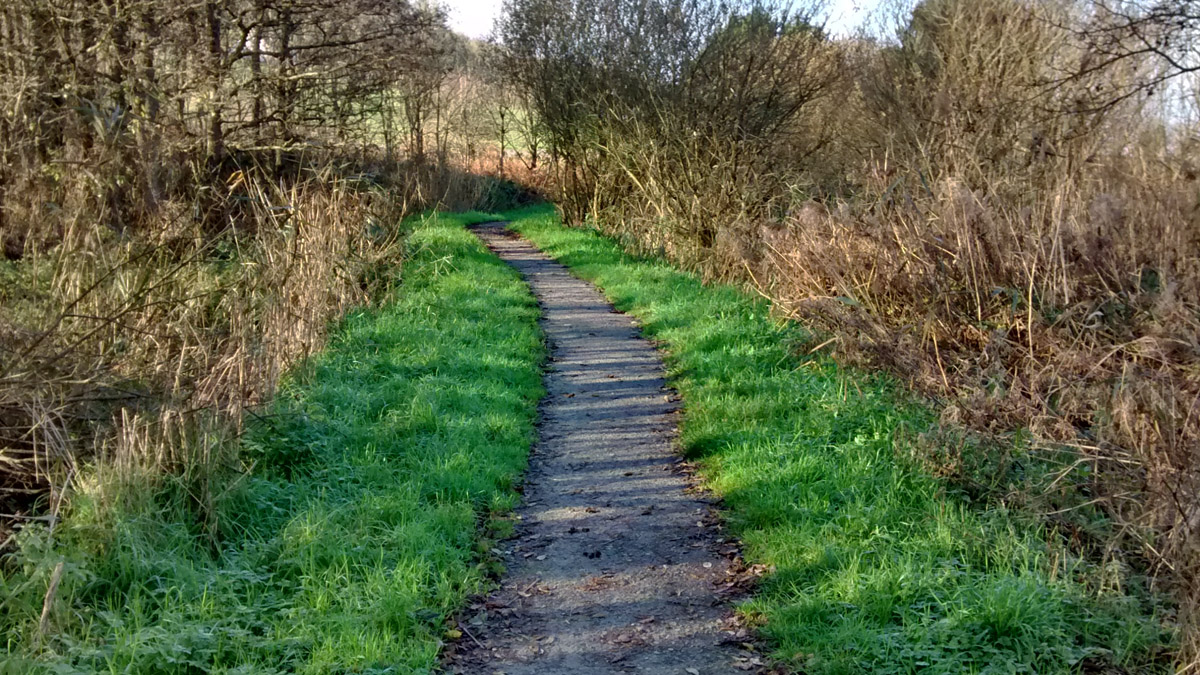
619 564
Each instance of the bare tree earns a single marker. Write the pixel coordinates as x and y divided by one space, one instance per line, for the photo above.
1162 38
702 95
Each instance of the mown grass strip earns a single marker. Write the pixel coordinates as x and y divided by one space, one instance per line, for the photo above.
356 533
878 566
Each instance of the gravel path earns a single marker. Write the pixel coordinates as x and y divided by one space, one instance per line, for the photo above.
618 565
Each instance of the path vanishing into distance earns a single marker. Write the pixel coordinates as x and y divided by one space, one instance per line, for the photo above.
617 565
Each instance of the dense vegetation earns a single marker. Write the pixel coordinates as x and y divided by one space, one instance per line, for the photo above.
995 200
992 201
190 192
352 535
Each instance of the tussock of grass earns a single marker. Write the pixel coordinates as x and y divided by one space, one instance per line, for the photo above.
878 566
354 535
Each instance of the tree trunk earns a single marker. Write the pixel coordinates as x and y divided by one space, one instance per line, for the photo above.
216 132
148 134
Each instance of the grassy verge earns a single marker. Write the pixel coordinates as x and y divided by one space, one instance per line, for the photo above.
878 566
354 533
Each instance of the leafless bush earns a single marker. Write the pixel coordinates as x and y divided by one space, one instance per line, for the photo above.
681 114
156 346
1026 254
994 204
189 193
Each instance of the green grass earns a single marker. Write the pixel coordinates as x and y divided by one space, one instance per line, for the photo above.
356 532
878 566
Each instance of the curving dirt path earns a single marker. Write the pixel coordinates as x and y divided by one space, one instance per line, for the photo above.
618 566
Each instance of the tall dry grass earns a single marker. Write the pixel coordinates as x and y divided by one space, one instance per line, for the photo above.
973 207
141 353
1025 249
165 263
1075 317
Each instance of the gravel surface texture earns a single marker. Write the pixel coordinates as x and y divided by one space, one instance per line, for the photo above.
619 564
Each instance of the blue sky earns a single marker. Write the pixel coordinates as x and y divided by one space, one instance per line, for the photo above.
475 17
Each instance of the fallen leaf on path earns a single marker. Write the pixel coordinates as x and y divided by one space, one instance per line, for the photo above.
748 663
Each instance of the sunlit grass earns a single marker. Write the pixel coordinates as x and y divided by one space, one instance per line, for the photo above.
357 530
877 566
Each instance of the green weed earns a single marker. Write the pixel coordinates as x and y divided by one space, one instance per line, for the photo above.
354 532
878 566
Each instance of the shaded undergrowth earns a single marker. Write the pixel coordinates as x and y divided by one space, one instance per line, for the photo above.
354 531
878 566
